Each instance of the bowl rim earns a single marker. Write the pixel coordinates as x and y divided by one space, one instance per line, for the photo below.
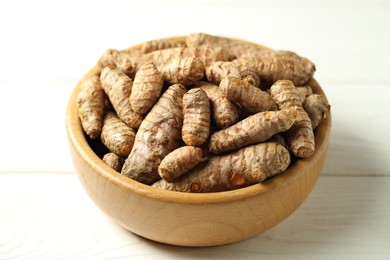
79 142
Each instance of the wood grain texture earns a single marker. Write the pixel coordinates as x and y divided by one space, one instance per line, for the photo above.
37 116
46 214
51 217
359 144
349 50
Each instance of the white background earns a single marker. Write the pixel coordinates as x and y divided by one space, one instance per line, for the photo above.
47 46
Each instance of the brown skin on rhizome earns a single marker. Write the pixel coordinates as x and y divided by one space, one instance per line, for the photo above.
205 114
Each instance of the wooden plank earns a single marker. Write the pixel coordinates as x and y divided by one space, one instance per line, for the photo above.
33 132
49 216
359 143
346 39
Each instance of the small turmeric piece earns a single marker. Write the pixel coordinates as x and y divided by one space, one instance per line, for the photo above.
160 57
219 70
113 161
121 60
117 85
182 70
233 48
316 107
196 117
179 161
146 89
244 49
287 65
242 168
304 92
159 44
90 104
158 135
270 65
225 113
249 62
251 77
199 39
300 138
116 135
209 54
251 98
205 54
253 129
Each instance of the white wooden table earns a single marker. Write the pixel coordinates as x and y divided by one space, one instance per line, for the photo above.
46 46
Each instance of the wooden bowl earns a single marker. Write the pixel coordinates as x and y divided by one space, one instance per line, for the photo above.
187 219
